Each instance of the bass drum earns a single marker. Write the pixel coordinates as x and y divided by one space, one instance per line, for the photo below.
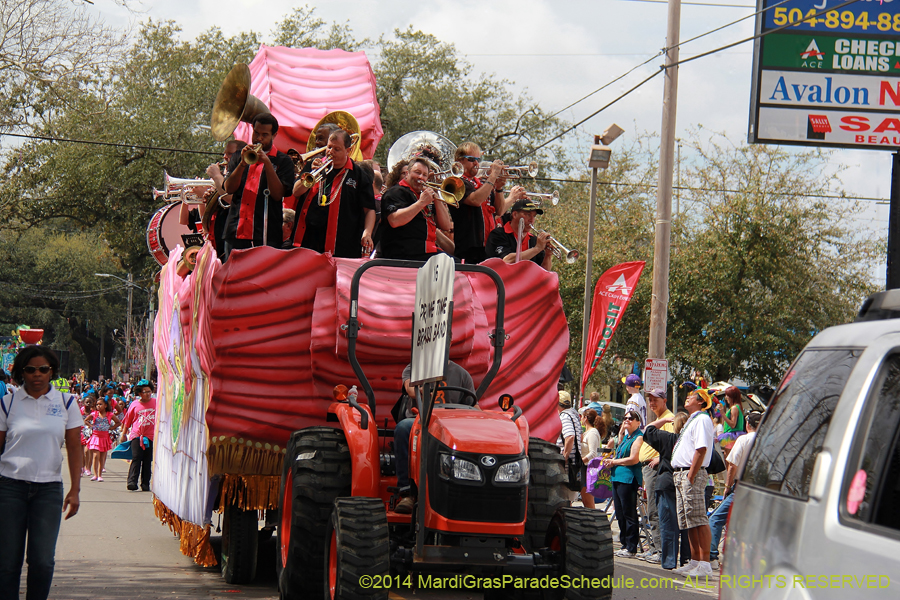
164 232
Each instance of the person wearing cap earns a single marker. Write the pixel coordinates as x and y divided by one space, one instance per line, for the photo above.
473 219
501 243
690 458
636 402
649 459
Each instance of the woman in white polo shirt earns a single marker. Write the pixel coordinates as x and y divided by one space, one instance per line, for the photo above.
34 421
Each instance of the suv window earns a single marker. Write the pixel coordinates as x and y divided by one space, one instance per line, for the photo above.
783 457
871 486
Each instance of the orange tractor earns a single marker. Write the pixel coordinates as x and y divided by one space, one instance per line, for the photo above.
492 514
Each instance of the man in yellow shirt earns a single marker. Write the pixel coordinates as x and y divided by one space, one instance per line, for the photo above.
656 401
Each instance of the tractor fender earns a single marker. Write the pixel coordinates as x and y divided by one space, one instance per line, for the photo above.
363 443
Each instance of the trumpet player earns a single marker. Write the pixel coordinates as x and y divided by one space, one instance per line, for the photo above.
502 241
475 217
337 214
412 213
254 218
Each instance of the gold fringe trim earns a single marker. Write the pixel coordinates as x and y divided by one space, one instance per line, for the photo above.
250 492
194 539
243 456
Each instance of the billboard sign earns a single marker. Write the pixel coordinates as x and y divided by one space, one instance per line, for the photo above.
831 80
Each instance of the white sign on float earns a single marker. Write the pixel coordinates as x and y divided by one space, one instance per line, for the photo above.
656 374
431 321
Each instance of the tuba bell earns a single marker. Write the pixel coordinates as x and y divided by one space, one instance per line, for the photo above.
234 103
345 121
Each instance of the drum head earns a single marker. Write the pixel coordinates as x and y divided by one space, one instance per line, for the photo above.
164 232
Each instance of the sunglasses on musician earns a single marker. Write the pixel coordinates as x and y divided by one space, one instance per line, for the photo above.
43 369
473 159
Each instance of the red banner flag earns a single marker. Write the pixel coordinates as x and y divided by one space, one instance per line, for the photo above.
611 297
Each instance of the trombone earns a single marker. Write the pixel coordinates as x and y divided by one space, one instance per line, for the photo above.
553 197
311 178
558 248
452 189
529 170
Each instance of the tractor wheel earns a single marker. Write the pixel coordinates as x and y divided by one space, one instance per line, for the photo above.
316 471
584 541
547 491
239 544
357 560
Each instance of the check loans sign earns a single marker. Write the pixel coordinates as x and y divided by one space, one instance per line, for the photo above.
827 80
431 320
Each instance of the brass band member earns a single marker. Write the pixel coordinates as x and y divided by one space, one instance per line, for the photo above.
344 225
412 213
474 219
215 213
254 218
502 241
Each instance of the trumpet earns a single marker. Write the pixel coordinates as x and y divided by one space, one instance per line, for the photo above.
188 190
252 155
456 170
529 170
553 197
308 155
311 178
452 190
558 248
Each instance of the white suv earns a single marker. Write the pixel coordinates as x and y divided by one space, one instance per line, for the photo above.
817 510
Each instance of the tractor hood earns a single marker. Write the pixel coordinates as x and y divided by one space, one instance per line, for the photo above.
476 431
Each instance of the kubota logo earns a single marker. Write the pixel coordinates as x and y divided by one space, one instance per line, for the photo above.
488 461
619 286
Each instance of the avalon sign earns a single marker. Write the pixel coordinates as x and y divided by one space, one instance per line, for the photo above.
827 80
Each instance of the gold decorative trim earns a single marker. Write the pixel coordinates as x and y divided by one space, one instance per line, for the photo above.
194 539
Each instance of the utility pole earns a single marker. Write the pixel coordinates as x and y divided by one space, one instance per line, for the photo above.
892 280
659 300
128 329
150 321
589 271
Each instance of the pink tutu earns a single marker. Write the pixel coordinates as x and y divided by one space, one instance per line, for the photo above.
100 441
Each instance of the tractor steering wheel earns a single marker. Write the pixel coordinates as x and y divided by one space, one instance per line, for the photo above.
466 393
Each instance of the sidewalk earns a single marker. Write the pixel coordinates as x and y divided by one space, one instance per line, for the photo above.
116 548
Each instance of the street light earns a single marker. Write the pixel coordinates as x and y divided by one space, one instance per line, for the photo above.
598 159
130 283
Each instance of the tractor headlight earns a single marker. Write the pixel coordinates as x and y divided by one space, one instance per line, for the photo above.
512 472
453 467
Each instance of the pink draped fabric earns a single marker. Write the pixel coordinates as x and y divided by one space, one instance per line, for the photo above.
302 85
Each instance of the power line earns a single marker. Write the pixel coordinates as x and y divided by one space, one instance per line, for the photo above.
667 66
589 117
760 35
696 3
114 144
722 191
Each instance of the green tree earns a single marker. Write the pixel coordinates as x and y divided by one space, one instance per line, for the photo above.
423 84
47 280
760 261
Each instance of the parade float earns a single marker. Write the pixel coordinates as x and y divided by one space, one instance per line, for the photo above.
249 351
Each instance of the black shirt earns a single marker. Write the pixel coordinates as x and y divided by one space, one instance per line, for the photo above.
356 195
468 227
414 241
502 241
663 442
284 169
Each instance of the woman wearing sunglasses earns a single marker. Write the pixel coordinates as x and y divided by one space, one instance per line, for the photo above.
34 422
626 479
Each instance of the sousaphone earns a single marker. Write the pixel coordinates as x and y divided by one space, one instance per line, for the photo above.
234 103
345 121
